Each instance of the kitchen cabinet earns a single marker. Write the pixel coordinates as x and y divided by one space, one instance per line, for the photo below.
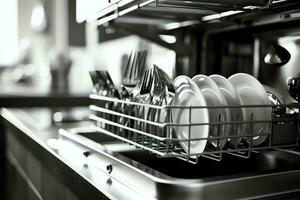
28 178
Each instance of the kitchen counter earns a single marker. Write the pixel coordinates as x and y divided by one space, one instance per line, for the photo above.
43 171
18 95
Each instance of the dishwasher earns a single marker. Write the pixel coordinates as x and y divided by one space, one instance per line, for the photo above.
232 38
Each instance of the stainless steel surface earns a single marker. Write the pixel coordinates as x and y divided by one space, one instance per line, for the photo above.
167 145
169 178
277 77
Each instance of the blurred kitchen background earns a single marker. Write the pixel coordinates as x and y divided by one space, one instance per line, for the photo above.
44 49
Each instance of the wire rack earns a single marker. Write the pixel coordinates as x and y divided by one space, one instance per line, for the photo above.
143 126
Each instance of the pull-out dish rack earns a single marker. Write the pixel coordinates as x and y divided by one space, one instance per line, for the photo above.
128 122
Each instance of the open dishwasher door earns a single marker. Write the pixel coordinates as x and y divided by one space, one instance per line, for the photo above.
267 174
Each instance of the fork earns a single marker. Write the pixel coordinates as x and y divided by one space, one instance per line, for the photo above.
161 93
133 70
152 91
131 81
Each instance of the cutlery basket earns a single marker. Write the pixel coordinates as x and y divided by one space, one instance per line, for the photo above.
150 127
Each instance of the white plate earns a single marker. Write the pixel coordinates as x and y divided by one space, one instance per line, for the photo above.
213 97
251 92
188 94
232 99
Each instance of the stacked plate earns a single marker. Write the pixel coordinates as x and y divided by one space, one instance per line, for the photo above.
221 111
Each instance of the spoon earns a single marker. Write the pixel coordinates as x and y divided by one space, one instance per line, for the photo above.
293 85
277 56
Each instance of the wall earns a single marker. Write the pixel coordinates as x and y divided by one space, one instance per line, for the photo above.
8 32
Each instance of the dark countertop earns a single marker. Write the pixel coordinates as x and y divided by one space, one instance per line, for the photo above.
34 129
18 95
